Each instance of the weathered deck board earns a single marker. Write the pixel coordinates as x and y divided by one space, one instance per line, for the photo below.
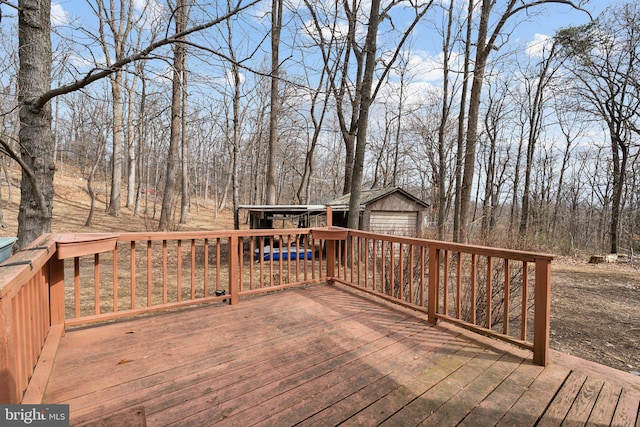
320 355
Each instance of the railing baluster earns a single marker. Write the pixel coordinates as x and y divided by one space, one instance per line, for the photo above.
459 287
392 268
251 264
149 273
261 260
489 292
76 285
507 296
422 275
383 263
115 279
366 263
305 261
240 263
474 272
96 282
434 284
401 272
206 268
359 255
445 299
525 301
165 279
179 270
132 269
218 263
288 260
411 266
193 268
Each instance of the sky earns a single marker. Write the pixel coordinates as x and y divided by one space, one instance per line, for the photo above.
425 55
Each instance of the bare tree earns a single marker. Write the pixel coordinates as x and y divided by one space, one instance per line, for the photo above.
490 28
36 147
179 53
536 88
604 59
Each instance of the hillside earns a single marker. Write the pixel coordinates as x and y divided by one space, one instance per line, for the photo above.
72 203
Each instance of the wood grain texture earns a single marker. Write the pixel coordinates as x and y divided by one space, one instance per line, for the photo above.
319 355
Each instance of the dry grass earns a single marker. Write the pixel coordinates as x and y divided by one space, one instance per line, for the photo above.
72 203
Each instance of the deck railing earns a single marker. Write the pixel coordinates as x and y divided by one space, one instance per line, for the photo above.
495 292
31 304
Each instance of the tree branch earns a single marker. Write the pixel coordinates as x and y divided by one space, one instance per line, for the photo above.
6 149
96 74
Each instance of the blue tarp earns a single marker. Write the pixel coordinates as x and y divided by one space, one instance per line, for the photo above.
283 253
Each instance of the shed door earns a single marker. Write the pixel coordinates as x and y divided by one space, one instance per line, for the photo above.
396 223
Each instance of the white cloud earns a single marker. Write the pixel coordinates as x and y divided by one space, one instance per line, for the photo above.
150 11
540 44
339 32
59 16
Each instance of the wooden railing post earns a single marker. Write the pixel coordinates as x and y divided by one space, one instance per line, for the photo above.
234 260
8 382
56 290
433 282
541 321
330 246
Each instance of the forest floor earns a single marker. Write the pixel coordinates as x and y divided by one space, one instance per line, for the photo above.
595 308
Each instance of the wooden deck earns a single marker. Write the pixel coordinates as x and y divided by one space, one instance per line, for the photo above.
322 355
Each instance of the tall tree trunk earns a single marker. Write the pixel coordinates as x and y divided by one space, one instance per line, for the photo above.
118 140
474 113
96 162
363 116
34 79
132 161
276 26
442 175
535 127
176 112
620 152
184 204
457 236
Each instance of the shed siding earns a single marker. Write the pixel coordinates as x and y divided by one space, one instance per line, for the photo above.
397 223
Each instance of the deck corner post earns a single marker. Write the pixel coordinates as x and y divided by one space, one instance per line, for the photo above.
329 216
433 282
542 312
331 260
234 260
56 291
8 371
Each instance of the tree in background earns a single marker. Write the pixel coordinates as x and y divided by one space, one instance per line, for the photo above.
603 60
34 80
487 41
